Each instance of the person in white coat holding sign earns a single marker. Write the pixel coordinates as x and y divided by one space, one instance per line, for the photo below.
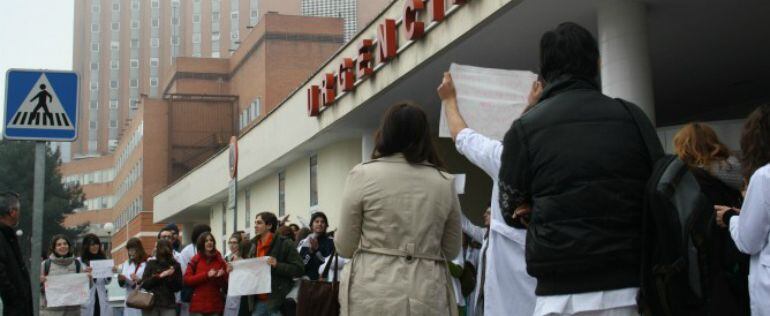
98 302
506 288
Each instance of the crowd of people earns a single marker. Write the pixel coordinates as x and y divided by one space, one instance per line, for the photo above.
562 232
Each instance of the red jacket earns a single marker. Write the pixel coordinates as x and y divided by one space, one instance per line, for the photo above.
208 295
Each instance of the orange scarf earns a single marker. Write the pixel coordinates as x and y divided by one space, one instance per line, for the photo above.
262 249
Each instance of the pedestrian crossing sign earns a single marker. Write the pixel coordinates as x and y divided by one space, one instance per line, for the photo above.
41 105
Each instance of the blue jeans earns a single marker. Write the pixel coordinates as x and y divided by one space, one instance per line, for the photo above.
261 310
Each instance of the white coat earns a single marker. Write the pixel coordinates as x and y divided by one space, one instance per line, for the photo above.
508 289
751 233
128 269
99 289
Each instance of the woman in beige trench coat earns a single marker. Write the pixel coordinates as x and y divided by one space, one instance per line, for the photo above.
400 222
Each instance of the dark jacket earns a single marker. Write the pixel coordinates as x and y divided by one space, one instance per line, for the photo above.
163 288
314 259
579 159
208 296
729 270
289 266
15 288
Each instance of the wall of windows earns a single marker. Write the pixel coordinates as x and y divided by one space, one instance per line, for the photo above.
345 9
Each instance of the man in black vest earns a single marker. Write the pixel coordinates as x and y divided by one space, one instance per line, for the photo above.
15 288
578 159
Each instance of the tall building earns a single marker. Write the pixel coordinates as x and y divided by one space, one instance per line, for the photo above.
167 82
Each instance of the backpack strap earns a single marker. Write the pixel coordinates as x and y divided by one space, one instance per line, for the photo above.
77 265
47 267
647 131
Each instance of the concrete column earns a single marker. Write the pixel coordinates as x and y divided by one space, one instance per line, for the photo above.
625 55
367 145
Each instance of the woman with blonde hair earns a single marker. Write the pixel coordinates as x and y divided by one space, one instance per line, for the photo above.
699 147
718 174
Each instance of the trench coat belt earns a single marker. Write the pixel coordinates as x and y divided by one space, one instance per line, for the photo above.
402 253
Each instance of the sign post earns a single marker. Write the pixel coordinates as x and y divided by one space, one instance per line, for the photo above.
232 196
41 106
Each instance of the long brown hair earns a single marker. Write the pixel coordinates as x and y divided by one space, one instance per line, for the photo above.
164 251
200 244
136 244
698 145
52 247
404 129
755 141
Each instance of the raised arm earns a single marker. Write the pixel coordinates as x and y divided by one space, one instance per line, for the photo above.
448 95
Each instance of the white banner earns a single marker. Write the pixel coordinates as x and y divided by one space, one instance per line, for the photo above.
102 269
249 277
66 289
489 99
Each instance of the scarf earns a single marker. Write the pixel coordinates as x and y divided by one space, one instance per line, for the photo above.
62 261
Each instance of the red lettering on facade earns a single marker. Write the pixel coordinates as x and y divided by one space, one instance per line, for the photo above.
364 62
329 89
347 75
386 41
313 100
437 10
459 2
414 29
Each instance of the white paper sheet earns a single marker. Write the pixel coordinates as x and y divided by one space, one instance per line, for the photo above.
66 289
489 99
459 183
249 277
102 269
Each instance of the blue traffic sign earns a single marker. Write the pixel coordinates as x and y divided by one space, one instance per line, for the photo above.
41 105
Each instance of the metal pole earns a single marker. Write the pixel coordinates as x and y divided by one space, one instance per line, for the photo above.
37 223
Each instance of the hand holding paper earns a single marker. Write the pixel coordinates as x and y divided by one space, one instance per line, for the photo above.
249 277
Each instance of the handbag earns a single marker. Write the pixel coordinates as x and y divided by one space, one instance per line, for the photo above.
140 298
320 297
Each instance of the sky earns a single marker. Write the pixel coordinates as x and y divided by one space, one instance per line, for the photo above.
35 34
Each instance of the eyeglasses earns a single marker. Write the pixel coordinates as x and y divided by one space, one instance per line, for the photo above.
167 237
232 242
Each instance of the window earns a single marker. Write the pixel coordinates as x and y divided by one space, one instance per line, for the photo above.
174 3
92 124
135 24
155 23
116 6
234 35
174 21
114 64
94 104
175 40
154 62
95 7
134 83
134 43
215 36
114 45
153 82
95 27
155 42
196 38
134 63
95 47
155 4
94 85
113 124
214 16
196 18
116 26
113 104
215 54
94 66
135 5
281 193
313 180
133 104
234 15
256 109
113 84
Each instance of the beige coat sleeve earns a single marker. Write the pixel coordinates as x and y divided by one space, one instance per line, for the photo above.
349 232
451 242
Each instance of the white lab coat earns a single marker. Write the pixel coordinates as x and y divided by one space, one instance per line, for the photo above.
751 233
128 269
460 261
508 289
99 286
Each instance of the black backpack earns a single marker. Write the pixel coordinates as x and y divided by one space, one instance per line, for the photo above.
677 233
